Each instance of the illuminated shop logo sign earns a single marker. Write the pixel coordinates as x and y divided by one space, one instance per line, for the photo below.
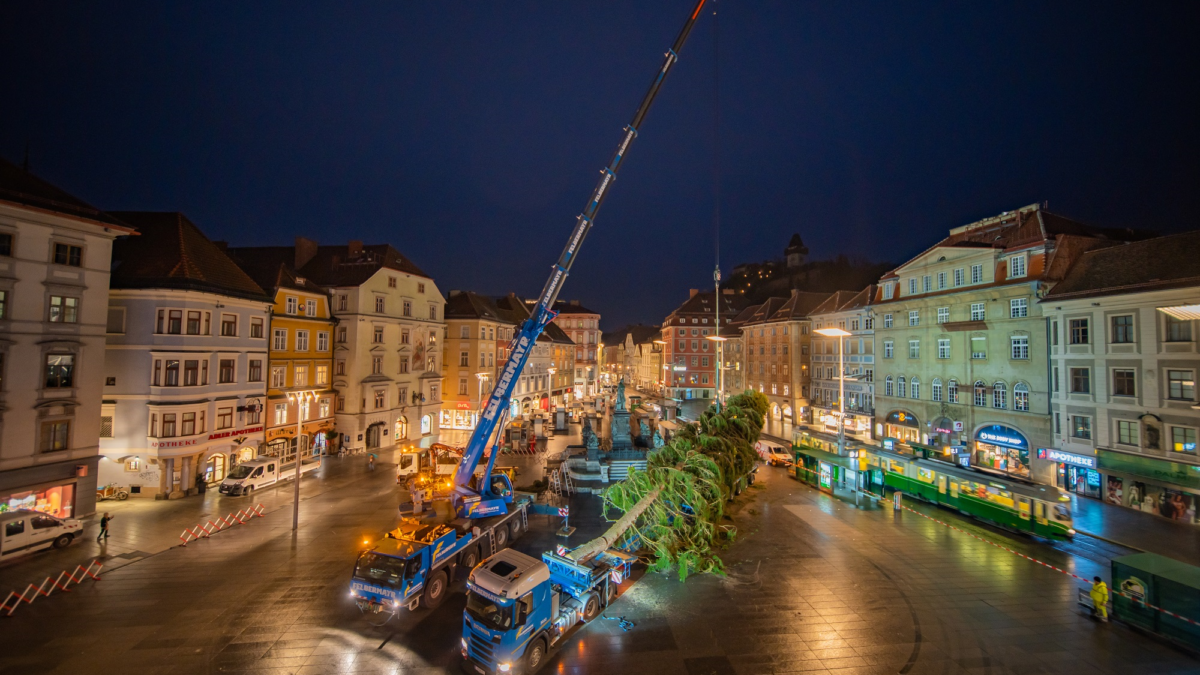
1002 435
1053 455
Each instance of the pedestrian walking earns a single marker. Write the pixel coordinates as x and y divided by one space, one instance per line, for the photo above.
371 463
104 521
1099 599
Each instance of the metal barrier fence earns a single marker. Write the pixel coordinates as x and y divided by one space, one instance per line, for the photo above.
204 530
15 599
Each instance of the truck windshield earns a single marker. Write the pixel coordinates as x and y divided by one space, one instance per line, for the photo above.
488 613
381 569
241 471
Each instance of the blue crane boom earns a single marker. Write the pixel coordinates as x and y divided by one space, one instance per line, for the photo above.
479 501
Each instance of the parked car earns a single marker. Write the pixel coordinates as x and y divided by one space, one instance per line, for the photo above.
26 531
256 474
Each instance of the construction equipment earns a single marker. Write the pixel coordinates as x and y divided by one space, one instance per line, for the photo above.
519 607
475 499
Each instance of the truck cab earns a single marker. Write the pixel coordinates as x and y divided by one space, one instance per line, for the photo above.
411 566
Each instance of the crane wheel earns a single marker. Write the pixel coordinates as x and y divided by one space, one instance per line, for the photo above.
515 530
591 608
535 655
435 590
501 536
470 558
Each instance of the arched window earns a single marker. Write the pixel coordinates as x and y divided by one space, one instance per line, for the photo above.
426 424
952 391
401 432
1021 397
981 393
937 389
915 388
999 396
901 387
887 386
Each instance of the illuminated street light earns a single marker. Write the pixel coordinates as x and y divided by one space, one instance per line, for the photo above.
301 399
840 335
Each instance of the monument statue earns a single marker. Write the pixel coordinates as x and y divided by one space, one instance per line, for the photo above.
658 440
619 432
644 429
620 395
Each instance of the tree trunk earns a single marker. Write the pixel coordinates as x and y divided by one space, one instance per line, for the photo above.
612 534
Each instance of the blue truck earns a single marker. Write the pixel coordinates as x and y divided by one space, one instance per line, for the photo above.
415 563
520 610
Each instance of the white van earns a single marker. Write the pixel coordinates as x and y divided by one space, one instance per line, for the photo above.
25 531
777 456
256 474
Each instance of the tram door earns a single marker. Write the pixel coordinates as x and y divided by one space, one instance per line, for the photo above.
1023 510
954 489
942 485
1039 510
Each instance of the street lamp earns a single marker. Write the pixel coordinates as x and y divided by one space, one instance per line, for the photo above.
301 399
840 335
720 364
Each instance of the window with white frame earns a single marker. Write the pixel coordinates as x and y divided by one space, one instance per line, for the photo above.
1018 308
1081 427
1127 432
322 375
901 387
999 396
926 283
1020 347
943 348
978 312
887 386
887 349
323 341
912 286
301 340
310 307
887 320
981 393
278 377
978 347
914 317
914 388
952 391
281 413
914 349
977 274
1183 439
291 304
1016 265
279 339
936 389
1181 385
959 275
941 280
1021 397
943 314
300 376
887 291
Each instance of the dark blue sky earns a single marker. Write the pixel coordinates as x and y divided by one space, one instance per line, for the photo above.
470 134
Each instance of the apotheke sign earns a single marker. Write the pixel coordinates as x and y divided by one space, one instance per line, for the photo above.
1052 455
239 432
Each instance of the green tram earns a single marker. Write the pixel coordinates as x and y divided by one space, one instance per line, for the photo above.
1040 510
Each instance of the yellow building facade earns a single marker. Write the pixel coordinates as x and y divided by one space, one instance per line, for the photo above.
300 374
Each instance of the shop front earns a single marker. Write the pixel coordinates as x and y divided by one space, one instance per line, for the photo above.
1150 485
1074 473
856 425
945 433
462 416
1001 448
902 426
56 499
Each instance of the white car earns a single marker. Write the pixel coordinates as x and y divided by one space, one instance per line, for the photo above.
25 531
777 456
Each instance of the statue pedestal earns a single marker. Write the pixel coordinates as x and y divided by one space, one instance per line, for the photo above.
622 439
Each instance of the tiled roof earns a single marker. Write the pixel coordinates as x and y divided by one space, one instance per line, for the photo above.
702 303
171 252
573 307
472 305
335 266
741 319
271 267
842 301
643 333
556 334
766 310
1163 262
18 186
515 310
800 305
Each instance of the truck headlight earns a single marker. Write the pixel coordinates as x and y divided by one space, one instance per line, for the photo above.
464 643
504 667
353 594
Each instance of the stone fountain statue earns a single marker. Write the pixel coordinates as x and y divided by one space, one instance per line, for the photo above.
620 434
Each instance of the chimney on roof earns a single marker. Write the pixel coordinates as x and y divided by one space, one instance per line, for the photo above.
354 248
305 250
692 293
223 245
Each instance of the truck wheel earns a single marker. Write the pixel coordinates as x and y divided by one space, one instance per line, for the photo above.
534 656
470 558
591 608
435 590
501 534
62 541
515 529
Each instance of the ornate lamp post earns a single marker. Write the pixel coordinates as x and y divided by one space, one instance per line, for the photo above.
301 398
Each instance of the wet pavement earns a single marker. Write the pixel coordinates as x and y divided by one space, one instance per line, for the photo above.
814 586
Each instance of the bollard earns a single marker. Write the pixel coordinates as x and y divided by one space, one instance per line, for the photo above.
896 500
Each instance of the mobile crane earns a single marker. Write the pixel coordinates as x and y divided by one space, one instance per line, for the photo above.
414 563
520 608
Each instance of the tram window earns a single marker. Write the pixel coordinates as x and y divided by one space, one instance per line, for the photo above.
1061 512
925 475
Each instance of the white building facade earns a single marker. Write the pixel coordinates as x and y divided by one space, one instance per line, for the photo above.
185 370
54 274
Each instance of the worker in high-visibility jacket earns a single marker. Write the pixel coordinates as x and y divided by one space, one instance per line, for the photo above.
1100 598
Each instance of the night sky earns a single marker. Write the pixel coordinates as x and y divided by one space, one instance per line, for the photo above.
469 135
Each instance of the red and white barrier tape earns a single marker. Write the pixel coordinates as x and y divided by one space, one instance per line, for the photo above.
203 530
1136 600
15 599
